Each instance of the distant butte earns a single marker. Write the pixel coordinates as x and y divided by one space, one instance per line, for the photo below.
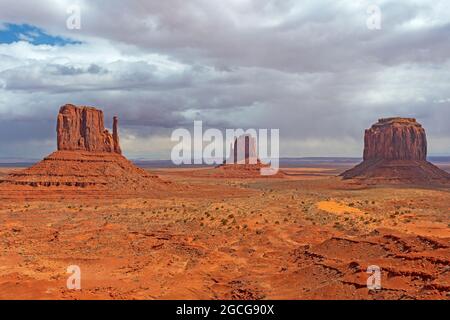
243 151
243 161
395 151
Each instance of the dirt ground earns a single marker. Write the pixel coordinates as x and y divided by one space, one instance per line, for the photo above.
308 235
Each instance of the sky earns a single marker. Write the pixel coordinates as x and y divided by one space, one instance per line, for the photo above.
312 69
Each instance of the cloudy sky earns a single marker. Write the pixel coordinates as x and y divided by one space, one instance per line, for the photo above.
313 69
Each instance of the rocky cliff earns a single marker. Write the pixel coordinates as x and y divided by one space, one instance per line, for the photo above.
83 129
395 139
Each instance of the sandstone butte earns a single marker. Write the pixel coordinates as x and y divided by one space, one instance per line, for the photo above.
395 151
243 161
82 128
87 156
243 151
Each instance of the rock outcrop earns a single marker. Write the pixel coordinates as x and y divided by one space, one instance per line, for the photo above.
243 161
116 143
82 128
88 156
395 139
395 151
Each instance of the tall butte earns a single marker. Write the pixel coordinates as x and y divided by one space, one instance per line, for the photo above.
83 129
395 151
88 156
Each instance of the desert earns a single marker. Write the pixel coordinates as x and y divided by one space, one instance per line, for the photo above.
208 158
295 238
189 233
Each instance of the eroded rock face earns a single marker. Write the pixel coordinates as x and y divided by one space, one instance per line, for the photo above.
395 139
82 128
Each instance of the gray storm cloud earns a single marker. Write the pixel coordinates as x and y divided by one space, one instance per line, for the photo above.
312 69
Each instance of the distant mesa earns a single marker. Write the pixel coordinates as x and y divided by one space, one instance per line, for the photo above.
395 151
88 155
